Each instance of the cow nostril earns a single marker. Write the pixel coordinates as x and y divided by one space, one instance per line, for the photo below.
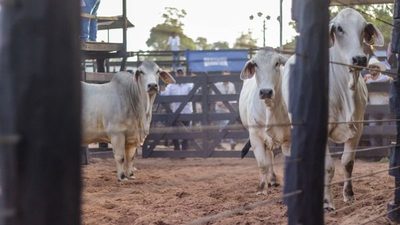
266 93
151 86
363 61
360 61
355 61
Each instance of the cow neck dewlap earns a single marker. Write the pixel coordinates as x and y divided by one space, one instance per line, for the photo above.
137 105
277 116
339 91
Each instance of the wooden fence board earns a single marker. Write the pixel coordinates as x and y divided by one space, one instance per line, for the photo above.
206 132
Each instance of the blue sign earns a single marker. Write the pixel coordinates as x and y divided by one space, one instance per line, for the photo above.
216 60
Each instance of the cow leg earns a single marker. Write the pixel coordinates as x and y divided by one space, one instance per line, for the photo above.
348 158
286 148
264 162
272 180
130 152
118 143
329 173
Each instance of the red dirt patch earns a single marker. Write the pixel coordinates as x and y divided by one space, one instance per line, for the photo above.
169 192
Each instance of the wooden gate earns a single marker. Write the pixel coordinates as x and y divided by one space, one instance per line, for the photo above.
204 135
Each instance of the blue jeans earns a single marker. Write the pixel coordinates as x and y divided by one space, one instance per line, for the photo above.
175 60
89 26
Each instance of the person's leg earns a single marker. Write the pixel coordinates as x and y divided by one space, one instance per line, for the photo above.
177 146
86 7
185 142
93 22
175 59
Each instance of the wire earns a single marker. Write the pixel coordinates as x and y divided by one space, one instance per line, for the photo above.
365 121
364 149
338 63
379 216
361 176
208 219
360 67
364 200
200 128
286 161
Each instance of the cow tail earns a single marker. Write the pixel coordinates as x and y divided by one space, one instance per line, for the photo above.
246 149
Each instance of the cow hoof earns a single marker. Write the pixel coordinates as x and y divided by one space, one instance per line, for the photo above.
122 178
273 184
260 193
348 194
273 181
131 176
349 198
328 207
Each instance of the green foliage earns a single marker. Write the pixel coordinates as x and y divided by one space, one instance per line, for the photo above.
220 45
173 16
201 44
172 23
245 40
290 45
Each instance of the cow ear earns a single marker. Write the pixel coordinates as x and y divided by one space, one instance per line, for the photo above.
282 59
248 70
137 74
166 77
372 35
332 30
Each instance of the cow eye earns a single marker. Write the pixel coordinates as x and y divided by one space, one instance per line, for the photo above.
276 64
340 29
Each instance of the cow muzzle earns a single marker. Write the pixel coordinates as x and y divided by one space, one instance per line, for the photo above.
359 61
266 93
152 88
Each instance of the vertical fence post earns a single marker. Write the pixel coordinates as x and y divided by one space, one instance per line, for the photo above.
309 107
40 54
393 206
8 137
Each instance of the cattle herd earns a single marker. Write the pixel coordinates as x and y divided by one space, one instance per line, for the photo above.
119 112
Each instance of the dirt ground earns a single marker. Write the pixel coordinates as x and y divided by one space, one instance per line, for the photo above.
181 191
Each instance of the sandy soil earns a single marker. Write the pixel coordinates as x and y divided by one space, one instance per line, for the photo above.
180 191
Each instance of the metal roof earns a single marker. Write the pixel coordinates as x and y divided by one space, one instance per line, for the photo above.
359 2
116 22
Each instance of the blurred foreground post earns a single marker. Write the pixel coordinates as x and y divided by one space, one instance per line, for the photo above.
394 206
40 64
309 107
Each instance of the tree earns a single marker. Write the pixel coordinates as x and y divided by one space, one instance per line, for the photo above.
172 23
220 45
201 44
245 40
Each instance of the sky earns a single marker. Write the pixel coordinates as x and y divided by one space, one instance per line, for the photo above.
216 20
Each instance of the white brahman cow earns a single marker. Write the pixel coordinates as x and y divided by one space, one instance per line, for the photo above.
347 91
261 107
119 112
